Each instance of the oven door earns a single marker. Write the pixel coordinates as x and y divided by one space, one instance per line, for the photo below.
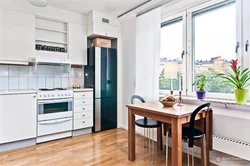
54 109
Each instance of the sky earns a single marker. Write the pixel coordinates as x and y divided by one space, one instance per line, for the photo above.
215 35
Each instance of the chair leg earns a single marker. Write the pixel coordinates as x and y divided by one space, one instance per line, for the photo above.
192 156
188 152
153 147
145 139
149 149
163 138
167 148
204 150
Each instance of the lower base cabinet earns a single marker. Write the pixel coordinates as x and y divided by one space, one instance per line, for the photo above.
83 110
18 117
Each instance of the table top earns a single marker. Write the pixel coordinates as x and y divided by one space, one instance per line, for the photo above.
175 111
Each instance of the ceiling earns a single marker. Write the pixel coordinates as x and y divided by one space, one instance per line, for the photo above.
113 7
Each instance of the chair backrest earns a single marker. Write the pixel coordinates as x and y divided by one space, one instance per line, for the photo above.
192 121
139 98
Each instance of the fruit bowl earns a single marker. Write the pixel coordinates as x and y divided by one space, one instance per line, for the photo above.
168 101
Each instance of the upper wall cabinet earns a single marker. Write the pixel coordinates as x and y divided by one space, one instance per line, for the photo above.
17 34
77 44
100 24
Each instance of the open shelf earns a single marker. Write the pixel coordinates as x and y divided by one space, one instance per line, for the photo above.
48 41
50 29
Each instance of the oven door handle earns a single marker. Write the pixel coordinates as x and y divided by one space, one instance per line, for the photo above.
55 101
54 122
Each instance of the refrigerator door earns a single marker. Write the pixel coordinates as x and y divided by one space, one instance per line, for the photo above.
98 72
109 72
109 113
98 115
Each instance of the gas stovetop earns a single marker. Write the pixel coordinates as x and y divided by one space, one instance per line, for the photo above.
55 93
46 89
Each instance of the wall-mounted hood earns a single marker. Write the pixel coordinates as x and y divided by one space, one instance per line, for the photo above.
42 60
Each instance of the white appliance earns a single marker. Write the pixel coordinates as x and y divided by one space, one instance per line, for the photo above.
55 114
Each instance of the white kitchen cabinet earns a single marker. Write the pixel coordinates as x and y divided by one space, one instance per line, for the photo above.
18 117
17 36
83 110
101 24
77 44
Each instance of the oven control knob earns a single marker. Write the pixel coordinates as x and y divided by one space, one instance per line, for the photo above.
65 94
61 94
52 95
69 94
48 95
44 95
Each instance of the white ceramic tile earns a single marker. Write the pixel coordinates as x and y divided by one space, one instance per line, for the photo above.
4 71
49 82
32 73
72 73
23 71
4 83
13 71
78 73
23 83
41 83
65 82
32 83
41 75
65 75
57 82
72 82
13 83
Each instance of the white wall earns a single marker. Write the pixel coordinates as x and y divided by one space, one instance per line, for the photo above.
48 11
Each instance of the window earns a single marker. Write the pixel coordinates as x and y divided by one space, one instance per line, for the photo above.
214 40
171 61
210 35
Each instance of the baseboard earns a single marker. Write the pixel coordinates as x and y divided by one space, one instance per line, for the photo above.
82 132
17 145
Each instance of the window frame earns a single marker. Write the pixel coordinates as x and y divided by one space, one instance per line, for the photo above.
168 18
190 45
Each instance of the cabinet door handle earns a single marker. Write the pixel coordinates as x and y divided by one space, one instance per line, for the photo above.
247 45
83 115
83 108
237 47
83 101
83 121
83 95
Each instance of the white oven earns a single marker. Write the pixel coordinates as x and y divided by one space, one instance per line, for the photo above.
55 109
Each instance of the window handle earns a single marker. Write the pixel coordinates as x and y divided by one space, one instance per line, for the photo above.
247 45
182 54
237 47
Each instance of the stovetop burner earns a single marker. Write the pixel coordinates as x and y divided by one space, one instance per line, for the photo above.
47 89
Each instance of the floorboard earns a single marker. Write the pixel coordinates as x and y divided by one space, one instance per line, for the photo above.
108 148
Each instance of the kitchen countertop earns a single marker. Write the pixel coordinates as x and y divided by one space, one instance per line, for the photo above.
83 90
24 91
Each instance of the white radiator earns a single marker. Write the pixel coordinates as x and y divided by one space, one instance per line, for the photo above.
232 147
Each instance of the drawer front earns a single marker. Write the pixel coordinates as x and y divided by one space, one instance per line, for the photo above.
88 101
83 123
80 95
80 108
54 126
83 114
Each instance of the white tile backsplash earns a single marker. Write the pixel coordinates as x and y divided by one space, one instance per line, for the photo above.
24 77
4 83
13 71
4 71
23 83
13 83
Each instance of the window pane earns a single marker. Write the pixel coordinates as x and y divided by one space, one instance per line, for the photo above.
170 61
214 45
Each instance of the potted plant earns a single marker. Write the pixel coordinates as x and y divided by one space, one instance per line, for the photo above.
200 84
238 79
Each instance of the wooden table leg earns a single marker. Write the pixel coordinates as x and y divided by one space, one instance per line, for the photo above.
209 133
159 138
176 142
131 135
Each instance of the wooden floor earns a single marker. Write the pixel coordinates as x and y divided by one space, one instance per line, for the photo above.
106 148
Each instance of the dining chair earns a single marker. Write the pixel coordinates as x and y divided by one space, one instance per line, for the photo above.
190 134
148 124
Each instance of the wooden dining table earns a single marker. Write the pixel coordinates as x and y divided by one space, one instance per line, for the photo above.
175 116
